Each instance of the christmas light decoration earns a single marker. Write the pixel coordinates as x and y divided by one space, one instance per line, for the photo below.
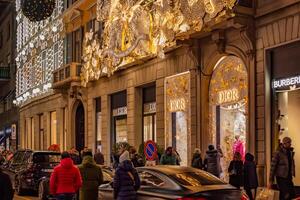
136 30
37 10
36 41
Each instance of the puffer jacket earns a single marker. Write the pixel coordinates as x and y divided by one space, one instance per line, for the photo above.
126 181
197 161
212 162
92 177
280 163
65 178
168 159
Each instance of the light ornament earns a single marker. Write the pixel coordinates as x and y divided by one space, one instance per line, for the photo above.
134 30
37 10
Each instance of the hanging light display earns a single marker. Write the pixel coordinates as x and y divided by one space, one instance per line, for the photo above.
37 10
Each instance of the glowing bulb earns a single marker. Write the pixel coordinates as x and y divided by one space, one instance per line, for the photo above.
54 29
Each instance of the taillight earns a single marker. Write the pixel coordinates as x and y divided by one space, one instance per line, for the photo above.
192 198
244 196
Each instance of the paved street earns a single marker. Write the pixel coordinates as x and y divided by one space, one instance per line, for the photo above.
16 197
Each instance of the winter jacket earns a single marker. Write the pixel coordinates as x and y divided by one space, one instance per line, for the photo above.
65 178
212 162
76 158
92 177
99 158
197 161
236 171
280 163
168 159
250 175
6 190
126 181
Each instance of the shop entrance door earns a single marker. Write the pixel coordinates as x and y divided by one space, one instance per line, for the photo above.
79 127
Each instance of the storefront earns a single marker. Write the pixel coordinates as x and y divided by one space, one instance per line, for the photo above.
284 67
119 117
228 105
177 114
149 113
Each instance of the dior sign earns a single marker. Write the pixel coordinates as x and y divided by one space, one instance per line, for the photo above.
177 105
227 96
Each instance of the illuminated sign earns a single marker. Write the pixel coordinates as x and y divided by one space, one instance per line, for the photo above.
227 96
286 83
177 105
150 108
120 111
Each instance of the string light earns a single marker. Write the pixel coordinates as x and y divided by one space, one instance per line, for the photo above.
37 10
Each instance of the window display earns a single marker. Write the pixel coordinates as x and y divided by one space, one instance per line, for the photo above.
177 98
228 109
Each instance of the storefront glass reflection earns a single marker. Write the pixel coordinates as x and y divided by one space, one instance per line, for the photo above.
228 109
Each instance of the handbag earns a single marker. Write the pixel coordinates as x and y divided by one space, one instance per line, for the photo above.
267 194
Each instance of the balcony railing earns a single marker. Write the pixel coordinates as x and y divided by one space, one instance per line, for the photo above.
4 73
67 75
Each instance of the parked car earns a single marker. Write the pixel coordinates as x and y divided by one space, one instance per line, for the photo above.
177 182
27 169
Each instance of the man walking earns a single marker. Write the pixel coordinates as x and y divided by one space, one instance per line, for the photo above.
98 157
283 168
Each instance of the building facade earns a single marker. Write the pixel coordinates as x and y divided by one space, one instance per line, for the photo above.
39 51
212 78
8 111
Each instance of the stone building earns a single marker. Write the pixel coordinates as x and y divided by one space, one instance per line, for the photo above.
219 77
8 111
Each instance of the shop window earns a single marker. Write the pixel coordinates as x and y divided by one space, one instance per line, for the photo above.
98 123
119 117
149 114
41 133
283 62
228 104
177 108
53 128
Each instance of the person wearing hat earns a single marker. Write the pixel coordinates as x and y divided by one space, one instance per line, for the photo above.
283 168
212 161
126 180
197 160
92 177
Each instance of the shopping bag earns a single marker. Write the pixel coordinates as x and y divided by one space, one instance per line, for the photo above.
267 194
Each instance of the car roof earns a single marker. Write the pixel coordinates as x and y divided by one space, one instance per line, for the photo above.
170 169
39 151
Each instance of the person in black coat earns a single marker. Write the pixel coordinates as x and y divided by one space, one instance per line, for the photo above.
250 176
197 160
6 190
236 171
126 180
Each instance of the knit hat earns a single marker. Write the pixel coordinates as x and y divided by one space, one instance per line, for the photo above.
124 156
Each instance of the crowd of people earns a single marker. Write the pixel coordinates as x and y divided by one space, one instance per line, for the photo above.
80 173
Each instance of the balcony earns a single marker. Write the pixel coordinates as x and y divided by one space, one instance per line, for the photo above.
67 76
4 73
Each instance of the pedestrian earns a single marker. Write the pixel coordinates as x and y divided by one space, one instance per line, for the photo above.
65 180
136 160
212 161
98 157
92 177
126 180
74 154
168 158
177 156
6 190
236 170
250 176
283 168
197 160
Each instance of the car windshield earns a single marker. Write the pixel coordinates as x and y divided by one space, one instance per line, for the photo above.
197 179
46 158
